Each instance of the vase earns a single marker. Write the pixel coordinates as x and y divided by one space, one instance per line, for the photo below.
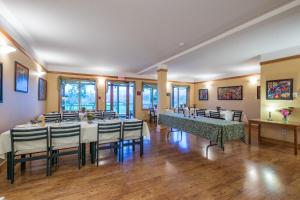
285 119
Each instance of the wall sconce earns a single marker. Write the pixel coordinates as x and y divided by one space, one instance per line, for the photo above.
254 80
270 109
5 48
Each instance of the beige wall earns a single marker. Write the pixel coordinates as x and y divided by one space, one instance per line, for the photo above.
53 93
250 105
284 69
18 108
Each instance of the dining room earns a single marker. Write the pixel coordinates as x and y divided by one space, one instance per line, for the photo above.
149 100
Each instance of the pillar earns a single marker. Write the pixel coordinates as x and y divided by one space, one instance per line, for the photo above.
162 72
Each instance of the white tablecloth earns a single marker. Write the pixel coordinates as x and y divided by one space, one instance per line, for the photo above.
88 134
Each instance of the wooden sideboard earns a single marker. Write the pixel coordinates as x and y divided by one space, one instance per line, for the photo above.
289 125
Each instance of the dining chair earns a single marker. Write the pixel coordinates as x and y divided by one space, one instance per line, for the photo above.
180 110
237 115
215 115
63 141
108 137
33 141
153 116
98 115
70 116
132 134
52 117
201 112
109 115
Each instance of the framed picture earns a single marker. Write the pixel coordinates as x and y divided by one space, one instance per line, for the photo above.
1 83
279 89
230 93
203 94
21 78
258 92
42 95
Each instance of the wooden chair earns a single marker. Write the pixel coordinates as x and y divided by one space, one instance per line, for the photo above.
52 117
132 134
237 115
71 116
63 140
153 116
111 131
201 112
20 138
215 115
109 115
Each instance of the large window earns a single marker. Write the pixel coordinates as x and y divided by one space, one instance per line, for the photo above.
149 96
180 96
78 94
120 98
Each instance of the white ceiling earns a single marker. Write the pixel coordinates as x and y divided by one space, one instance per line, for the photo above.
125 37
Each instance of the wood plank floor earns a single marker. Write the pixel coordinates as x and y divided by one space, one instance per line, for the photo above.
175 169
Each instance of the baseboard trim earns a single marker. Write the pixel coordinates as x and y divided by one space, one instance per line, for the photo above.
279 142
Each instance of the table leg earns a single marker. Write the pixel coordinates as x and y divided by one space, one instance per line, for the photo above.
83 154
249 133
295 141
93 152
259 133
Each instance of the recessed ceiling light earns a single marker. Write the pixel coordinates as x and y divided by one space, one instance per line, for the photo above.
181 44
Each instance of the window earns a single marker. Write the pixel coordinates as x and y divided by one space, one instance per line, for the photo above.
149 96
78 94
180 96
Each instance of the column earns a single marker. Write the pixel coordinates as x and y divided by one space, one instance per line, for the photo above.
162 72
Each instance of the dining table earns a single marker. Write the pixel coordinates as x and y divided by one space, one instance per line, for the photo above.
217 131
88 136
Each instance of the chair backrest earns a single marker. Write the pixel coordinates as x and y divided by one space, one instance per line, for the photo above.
70 116
181 110
20 139
237 115
215 115
109 115
152 112
58 135
113 129
98 115
52 117
201 112
133 129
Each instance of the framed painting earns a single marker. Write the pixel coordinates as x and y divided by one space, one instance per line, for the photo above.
1 83
42 94
203 94
230 93
258 92
21 78
279 89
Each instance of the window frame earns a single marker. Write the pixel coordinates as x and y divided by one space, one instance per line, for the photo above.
79 84
187 94
152 94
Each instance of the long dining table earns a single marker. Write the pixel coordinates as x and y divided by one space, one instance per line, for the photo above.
217 131
88 136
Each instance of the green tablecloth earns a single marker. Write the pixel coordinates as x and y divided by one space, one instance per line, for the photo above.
215 130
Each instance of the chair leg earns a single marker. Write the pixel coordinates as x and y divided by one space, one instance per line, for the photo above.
8 168
133 145
97 155
122 151
79 156
12 170
141 146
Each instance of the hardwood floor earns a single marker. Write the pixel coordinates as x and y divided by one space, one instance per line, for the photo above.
169 170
